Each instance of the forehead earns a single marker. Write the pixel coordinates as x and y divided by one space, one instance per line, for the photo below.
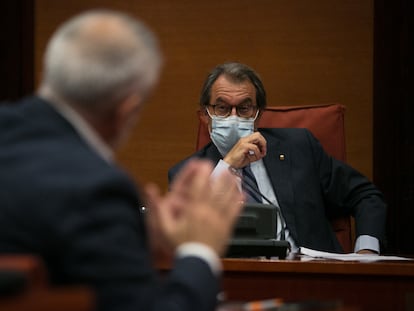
230 91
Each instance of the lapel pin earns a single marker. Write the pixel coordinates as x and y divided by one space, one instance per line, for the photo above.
281 157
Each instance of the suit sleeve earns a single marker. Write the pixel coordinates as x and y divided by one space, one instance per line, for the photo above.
102 243
349 192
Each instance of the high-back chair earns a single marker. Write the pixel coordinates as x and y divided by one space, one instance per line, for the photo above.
326 122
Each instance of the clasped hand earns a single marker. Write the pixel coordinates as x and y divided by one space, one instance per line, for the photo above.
248 149
196 209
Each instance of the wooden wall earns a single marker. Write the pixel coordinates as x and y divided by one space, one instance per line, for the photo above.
16 53
307 52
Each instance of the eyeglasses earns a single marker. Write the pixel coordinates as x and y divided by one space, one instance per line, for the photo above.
242 110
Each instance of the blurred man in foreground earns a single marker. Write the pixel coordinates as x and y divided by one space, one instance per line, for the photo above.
63 199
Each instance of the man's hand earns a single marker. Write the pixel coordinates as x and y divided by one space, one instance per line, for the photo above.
248 149
196 209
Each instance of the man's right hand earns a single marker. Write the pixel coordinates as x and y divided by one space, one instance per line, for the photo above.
248 149
197 208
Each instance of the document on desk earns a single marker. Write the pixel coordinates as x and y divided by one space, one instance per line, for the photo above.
310 254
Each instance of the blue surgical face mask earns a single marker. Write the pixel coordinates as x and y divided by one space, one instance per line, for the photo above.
226 132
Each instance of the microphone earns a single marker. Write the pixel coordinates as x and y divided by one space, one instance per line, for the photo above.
250 184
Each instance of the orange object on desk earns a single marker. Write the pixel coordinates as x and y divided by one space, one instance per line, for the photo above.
263 305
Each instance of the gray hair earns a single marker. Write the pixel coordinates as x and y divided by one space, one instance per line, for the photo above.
99 57
236 72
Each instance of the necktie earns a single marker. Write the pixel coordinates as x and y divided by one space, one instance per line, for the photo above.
253 195
249 186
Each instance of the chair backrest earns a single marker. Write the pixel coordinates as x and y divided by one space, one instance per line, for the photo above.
326 122
24 285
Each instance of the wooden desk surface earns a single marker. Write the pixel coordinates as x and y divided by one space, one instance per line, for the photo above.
369 286
382 268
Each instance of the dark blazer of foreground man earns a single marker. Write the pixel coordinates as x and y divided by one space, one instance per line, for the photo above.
63 198
310 186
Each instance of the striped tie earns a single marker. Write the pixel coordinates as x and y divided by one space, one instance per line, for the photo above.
249 186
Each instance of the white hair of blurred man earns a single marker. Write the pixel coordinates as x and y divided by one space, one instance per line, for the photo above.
99 58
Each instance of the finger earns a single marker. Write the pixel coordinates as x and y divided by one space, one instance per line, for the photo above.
152 204
259 151
166 217
184 175
226 194
152 193
253 153
261 144
236 197
196 188
161 210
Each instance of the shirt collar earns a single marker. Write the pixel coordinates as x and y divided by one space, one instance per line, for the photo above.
85 131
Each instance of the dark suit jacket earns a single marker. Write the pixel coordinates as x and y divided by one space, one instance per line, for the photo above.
63 202
312 187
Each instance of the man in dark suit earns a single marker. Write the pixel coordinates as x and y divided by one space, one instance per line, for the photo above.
63 198
291 169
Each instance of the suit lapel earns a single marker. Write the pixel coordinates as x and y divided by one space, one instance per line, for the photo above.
212 153
278 167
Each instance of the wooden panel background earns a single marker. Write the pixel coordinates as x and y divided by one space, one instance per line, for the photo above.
307 52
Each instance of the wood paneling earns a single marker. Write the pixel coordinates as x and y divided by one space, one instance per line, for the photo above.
16 53
393 114
307 52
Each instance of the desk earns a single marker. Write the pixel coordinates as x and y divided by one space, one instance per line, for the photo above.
369 286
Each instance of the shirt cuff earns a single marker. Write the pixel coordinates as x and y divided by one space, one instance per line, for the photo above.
367 242
220 168
203 252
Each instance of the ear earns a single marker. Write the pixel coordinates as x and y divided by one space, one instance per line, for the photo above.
129 107
203 116
256 122
126 115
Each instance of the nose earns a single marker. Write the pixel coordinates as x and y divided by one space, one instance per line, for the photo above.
233 111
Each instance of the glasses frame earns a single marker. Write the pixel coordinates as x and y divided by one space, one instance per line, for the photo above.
237 107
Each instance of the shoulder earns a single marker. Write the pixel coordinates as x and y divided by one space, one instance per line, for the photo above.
286 134
209 152
50 157
300 139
